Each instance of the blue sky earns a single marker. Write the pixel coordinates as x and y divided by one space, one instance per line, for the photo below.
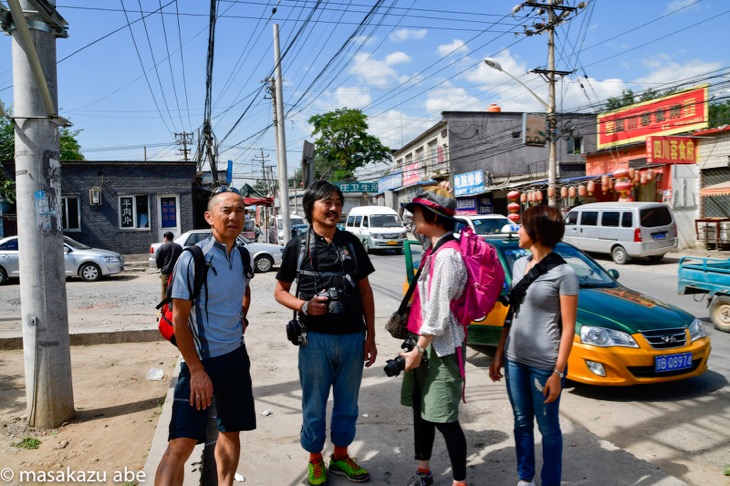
402 62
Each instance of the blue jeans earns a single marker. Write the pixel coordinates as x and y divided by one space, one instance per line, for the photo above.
330 361
524 388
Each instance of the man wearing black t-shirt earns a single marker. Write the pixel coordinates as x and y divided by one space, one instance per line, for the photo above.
335 303
166 257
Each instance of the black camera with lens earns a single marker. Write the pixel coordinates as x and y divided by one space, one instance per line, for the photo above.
394 366
335 297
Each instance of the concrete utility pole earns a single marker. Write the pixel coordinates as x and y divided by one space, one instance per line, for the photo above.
281 142
48 385
550 75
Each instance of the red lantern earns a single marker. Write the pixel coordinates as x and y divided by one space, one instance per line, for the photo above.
571 191
649 175
538 196
513 207
621 173
551 192
530 197
514 217
605 183
563 192
513 195
632 174
523 197
623 186
582 190
642 178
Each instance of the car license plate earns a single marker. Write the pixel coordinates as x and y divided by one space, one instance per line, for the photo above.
671 362
660 236
391 243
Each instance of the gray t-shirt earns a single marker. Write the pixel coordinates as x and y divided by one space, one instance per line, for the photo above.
535 335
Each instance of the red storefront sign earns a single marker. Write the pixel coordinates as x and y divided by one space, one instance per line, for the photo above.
671 150
683 111
411 174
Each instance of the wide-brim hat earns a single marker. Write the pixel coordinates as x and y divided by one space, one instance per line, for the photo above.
437 200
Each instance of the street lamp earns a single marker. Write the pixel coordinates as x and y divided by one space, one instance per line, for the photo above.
551 125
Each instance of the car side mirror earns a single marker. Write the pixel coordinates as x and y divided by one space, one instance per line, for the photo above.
613 273
66 249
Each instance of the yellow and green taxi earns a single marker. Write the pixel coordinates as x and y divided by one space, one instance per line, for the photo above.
622 337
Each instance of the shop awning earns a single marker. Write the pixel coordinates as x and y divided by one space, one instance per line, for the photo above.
721 189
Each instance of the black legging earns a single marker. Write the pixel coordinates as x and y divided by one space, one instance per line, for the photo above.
424 433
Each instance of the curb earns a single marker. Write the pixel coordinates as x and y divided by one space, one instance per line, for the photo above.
91 338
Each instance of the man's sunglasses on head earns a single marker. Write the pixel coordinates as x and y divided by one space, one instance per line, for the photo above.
222 189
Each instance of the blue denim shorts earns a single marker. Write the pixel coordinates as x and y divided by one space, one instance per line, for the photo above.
232 391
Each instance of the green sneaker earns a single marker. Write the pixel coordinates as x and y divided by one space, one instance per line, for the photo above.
317 473
348 467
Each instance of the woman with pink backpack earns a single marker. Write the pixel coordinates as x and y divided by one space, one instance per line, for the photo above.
432 384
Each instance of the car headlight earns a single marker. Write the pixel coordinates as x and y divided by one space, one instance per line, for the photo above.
603 337
696 330
110 259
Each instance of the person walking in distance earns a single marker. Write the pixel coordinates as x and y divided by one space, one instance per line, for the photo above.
209 333
433 386
335 304
166 257
535 345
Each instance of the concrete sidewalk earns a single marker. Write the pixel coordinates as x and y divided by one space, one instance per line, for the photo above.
271 455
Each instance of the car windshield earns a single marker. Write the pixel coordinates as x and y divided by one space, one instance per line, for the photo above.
385 221
75 244
488 226
590 275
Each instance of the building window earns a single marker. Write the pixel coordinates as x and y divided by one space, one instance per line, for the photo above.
70 213
134 212
575 145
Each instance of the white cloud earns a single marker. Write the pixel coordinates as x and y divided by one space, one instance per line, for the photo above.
353 97
401 35
374 72
451 98
665 69
681 4
397 57
395 128
456 46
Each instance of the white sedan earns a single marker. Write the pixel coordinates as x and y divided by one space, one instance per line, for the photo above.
79 260
265 255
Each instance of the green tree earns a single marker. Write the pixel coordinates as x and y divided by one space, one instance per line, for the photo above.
627 98
343 144
720 114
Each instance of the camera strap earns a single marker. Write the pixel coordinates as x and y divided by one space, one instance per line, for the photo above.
303 250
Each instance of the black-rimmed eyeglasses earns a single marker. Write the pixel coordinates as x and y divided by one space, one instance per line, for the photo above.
222 189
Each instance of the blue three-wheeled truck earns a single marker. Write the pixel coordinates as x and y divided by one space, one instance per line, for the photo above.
709 276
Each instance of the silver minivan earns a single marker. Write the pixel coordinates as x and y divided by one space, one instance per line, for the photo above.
623 229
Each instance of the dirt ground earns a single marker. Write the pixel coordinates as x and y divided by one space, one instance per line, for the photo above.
117 410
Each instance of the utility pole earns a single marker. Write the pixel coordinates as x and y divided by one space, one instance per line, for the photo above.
48 385
184 139
549 74
281 141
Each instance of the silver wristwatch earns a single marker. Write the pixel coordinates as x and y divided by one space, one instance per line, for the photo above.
305 306
559 373
420 349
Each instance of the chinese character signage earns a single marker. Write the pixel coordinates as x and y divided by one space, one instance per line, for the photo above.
126 205
466 205
469 183
671 150
391 181
358 186
411 174
169 212
683 111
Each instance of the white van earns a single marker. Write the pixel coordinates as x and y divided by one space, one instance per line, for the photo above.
378 227
622 229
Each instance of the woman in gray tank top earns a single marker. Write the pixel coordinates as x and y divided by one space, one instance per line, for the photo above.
537 344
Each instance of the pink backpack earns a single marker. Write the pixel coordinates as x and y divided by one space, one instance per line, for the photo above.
484 277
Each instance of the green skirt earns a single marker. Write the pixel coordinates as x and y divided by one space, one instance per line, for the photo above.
439 385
